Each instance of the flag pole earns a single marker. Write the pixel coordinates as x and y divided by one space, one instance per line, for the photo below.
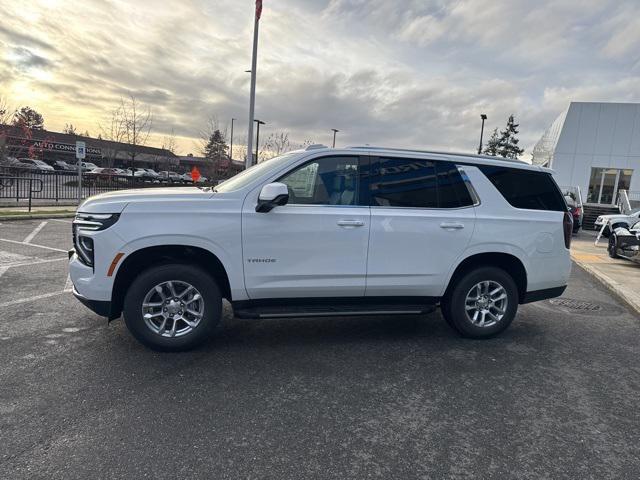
252 95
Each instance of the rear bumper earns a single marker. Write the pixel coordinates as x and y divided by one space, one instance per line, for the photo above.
100 307
537 295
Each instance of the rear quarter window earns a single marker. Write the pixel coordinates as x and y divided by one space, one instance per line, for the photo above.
525 188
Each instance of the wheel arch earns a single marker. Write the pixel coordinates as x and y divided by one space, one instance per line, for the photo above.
506 261
149 256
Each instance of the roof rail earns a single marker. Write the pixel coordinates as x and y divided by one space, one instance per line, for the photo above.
315 146
435 152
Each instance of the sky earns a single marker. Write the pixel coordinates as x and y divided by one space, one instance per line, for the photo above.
403 73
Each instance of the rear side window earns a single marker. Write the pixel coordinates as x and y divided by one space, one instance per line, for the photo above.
417 183
525 188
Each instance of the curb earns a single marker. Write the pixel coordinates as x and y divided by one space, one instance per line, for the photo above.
632 301
9 218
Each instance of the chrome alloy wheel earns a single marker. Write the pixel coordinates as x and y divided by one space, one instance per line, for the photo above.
172 309
486 303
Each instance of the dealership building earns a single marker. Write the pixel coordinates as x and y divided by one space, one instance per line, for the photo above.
51 146
596 147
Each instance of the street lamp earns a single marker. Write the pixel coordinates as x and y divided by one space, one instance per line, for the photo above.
231 146
483 117
334 130
258 122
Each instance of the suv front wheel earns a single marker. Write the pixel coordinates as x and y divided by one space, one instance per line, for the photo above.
172 307
482 303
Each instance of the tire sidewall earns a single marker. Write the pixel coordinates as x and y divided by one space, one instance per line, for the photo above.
456 303
191 274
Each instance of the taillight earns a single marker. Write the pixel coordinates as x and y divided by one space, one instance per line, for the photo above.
567 225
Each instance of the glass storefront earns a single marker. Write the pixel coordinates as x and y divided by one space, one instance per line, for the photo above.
605 183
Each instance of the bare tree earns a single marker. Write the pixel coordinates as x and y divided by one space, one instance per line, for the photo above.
169 142
130 123
210 129
6 112
137 125
113 133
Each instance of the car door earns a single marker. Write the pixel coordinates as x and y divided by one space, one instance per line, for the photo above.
422 219
316 244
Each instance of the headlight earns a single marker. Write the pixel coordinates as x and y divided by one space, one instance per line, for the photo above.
89 222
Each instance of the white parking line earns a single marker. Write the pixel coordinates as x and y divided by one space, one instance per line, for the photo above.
2 270
33 234
30 299
33 245
68 286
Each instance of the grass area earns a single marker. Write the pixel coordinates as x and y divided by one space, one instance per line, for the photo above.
34 211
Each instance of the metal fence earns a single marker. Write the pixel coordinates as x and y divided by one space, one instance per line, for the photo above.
17 183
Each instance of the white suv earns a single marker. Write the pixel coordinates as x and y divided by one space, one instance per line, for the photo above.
320 232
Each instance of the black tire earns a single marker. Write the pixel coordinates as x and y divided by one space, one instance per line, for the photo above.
147 280
453 304
611 248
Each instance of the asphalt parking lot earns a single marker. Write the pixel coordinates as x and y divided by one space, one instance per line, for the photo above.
556 396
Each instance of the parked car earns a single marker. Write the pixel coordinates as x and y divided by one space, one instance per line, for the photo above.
172 177
32 164
87 166
356 231
576 213
61 165
615 221
153 174
625 243
10 162
103 173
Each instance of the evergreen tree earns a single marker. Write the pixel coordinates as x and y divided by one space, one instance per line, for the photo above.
216 147
27 117
508 144
492 144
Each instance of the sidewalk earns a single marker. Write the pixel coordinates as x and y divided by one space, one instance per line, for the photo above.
22 212
620 276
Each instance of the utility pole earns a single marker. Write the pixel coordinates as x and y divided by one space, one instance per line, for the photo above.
252 94
483 117
258 122
334 136
231 146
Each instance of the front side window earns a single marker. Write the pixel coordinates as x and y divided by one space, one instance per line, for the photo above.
324 181
418 183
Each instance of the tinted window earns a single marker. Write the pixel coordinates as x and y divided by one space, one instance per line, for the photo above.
416 183
324 181
404 182
525 188
452 191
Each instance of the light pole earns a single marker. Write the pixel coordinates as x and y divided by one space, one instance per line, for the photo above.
258 122
231 146
334 130
252 94
483 117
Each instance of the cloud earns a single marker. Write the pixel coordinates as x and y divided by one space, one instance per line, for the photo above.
414 73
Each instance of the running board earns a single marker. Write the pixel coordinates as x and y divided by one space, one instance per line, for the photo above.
306 311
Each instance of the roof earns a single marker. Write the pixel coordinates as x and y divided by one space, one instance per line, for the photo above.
460 157
59 137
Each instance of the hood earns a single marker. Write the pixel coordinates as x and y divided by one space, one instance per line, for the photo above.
114 202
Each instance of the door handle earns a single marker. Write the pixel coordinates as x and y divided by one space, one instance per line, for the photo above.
350 223
452 225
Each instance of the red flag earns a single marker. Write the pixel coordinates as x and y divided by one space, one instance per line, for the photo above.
258 9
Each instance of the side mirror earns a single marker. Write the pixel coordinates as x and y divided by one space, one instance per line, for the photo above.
272 195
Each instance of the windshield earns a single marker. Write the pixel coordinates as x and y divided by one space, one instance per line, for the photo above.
250 174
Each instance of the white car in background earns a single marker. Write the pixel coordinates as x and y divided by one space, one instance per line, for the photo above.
616 221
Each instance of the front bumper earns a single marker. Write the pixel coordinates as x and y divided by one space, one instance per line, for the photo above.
544 294
101 307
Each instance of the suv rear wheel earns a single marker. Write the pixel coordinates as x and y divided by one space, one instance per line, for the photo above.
482 303
172 307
